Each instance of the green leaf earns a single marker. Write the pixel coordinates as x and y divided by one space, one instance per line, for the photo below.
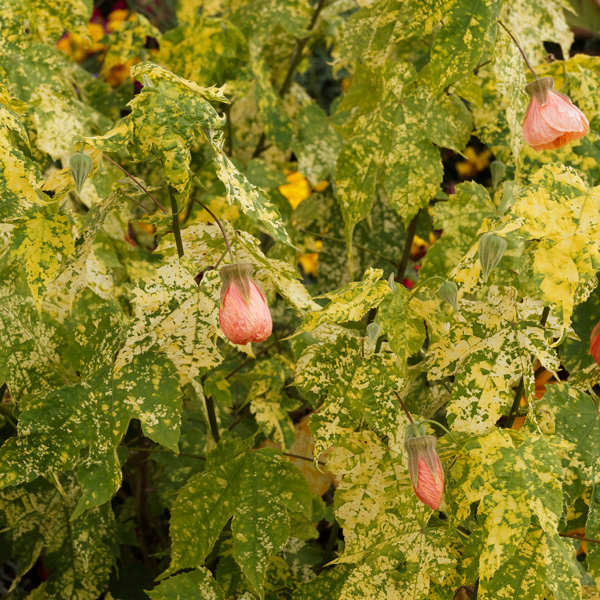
566 250
188 585
165 119
253 201
53 429
488 349
460 219
349 303
174 316
278 126
354 383
459 44
316 145
149 387
514 479
405 331
30 342
45 243
257 488
77 554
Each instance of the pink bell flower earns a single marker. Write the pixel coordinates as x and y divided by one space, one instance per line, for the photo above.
551 120
243 312
425 470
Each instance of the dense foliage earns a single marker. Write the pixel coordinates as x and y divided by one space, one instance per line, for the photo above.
143 454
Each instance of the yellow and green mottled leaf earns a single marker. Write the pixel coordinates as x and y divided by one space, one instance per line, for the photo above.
354 384
488 349
253 201
460 42
37 518
128 41
460 219
188 585
349 303
514 478
165 119
175 316
258 488
562 218
44 244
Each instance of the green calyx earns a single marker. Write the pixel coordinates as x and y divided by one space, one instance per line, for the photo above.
80 164
491 250
539 89
241 273
422 448
448 292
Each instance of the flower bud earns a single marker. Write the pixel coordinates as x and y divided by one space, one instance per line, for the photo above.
425 469
80 164
373 331
595 344
243 312
551 120
449 292
491 251
497 169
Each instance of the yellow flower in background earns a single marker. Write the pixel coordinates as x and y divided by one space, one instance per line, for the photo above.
296 189
418 246
77 47
474 164
310 261
345 84
119 73
322 185
116 17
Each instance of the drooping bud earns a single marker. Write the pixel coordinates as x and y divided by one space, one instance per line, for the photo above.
449 292
595 343
244 315
373 331
497 168
425 469
491 250
551 120
80 164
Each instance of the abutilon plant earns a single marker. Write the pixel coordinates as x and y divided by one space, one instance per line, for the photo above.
350 193
244 314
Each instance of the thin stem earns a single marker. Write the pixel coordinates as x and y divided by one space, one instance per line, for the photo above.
441 427
512 415
425 282
138 183
331 541
306 458
575 536
412 422
265 349
475 590
212 418
410 236
218 222
514 39
176 226
340 241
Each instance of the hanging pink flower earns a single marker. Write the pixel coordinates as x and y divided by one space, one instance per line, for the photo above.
551 120
243 312
595 343
425 470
